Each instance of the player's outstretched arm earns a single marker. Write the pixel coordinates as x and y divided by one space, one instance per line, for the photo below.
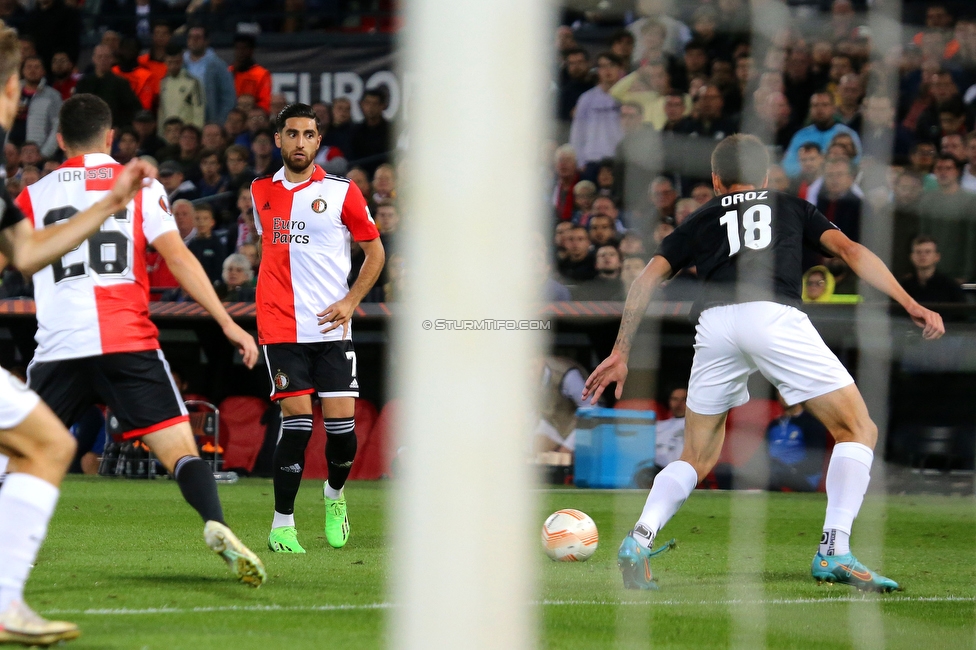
871 269
186 268
339 313
31 250
614 368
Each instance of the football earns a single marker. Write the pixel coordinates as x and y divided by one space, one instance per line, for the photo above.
569 536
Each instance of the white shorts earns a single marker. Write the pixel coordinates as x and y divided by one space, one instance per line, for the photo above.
733 341
16 400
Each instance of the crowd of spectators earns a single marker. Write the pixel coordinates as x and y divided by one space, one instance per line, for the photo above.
881 140
208 126
65 19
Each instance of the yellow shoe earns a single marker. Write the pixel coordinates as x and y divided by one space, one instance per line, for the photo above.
241 560
19 624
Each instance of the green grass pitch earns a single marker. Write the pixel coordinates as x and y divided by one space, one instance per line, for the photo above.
126 560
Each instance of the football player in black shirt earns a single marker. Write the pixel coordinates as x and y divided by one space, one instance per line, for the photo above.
37 444
747 244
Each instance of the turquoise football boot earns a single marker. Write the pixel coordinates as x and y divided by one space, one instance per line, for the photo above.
846 570
634 562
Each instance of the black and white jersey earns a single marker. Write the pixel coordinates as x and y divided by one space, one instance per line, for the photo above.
747 246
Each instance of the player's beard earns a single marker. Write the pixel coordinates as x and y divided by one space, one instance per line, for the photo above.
297 167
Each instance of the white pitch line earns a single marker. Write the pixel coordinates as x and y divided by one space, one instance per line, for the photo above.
218 608
767 601
544 603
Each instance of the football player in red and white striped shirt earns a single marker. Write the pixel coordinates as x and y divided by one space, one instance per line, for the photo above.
306 220
96 343
37 444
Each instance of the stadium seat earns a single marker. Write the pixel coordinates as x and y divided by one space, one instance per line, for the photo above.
373 458
644 404
745 430
241 431
316 466
366 417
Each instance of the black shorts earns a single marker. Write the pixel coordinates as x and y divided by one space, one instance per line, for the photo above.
136 386
328 369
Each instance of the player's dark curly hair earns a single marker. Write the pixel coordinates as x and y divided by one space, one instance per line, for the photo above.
83 118
740 159
295 110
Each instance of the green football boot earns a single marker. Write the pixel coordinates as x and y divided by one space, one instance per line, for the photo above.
634 562
284 540
846 570
336 522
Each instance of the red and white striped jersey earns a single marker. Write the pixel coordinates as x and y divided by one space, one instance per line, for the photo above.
305 229
95 299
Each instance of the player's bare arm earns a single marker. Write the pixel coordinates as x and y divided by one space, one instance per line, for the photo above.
339 313
614 368
191 276
31 250
870 268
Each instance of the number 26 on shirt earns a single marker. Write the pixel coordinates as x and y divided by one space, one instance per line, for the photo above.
757 223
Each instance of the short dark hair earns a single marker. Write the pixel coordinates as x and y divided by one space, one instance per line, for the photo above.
611 57
240 150
594 217
174 50
206 153
621 35
247 39
924 239
952 159
953 105
297 109
172 120
811 146
192 127
82 119
696 45
576 50
740 159
377 93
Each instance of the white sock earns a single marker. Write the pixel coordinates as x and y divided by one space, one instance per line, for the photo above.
331 492
26 506
671 488
848 475
282 520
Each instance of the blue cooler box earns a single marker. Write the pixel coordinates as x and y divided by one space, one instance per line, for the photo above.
612 445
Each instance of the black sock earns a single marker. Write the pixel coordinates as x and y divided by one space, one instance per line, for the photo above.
340 449
196 480
289 460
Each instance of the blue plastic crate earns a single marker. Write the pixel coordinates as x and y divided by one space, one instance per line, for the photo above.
611 446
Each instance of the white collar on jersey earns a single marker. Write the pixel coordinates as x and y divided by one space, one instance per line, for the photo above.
90 160
279 176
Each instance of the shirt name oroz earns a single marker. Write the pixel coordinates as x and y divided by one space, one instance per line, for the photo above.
279 225
739 197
